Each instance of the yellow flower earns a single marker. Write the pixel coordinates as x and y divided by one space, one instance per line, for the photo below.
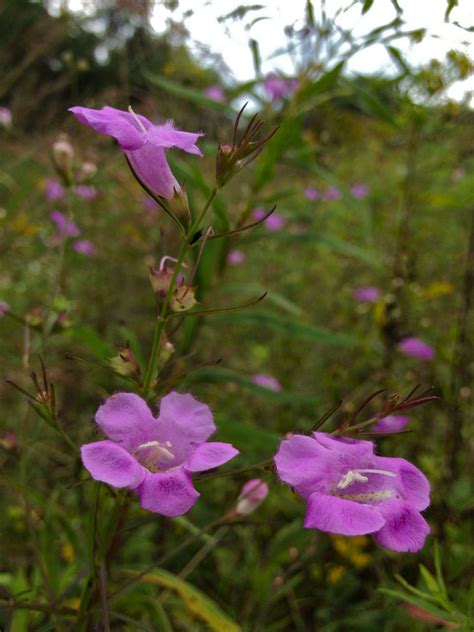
336 573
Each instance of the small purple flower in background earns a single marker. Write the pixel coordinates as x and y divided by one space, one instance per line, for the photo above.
64 227
235 258
155 456
85 247
351 491
359 190
416 348
332 194
54 190
278 87
392 423
6 117
4 308
86 192
311 193
367 294
252 495
143 143
267 381
216 93
274 222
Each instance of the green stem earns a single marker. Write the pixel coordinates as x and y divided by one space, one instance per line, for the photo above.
163 315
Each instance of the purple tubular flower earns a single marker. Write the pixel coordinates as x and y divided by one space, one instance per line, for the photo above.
274 222
4 308
311 193
392 423
216 93
143 143
85 247
359 190
54 190
64 226
416 348
252 495
235 257
155 456
267 381
351 491
367 294
86 192
332 194
278 87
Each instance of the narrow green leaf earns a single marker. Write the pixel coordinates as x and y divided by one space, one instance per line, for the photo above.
367 6
198 604
287 326
219 375
184 92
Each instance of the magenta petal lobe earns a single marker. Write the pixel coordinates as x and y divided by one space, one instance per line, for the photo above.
168 493
405 529
210 455
126 419
108 462
338 515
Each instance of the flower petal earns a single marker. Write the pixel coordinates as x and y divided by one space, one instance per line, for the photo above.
109 463
151 167
183 415
412 484
126 419
168 493
302 463
405 529
167 136
210 455
338 515
117 123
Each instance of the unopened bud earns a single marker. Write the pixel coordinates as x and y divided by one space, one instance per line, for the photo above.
86 171
251 497
63 157
125 363
183 298
6 118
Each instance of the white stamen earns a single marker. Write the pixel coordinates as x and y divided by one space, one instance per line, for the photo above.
157 451
140 124
353 476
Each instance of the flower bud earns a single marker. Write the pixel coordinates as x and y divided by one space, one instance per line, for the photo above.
86 171
6 118
160 280
63 158
125 363
183 298
251 497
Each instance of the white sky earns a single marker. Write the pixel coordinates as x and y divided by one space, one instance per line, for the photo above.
230 39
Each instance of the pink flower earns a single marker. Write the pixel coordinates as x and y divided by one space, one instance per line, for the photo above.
235 257
6 117
416 348
332 194
85 247
86 192
274 222
64 227
267 381
4 308
359 190
143 143
392 423
252 495
351 491
367 294
54 190
216 93
278 87
311 193
155 456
